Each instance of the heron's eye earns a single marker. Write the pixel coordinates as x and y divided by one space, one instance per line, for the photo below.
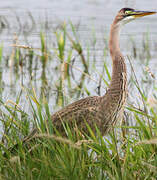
128 12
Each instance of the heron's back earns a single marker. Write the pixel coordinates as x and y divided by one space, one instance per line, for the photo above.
79 112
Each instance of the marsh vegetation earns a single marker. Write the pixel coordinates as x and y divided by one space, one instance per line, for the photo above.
45 78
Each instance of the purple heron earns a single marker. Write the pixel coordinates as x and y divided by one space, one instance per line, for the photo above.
102 111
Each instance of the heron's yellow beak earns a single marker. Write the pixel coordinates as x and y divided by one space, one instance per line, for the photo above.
137 14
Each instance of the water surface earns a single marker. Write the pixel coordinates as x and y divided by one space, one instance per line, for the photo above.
25 20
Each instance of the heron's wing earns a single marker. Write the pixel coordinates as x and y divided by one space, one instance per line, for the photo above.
78 112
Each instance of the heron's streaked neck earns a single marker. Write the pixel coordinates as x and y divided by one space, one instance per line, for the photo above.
114 40
119 73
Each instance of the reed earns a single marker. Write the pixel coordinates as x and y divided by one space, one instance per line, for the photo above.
129 151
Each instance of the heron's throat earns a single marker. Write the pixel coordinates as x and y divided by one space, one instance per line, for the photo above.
114 39
118 60
118 86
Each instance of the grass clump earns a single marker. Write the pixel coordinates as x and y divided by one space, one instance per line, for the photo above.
129 151
51 156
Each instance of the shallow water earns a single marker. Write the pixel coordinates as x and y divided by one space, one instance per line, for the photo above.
93 18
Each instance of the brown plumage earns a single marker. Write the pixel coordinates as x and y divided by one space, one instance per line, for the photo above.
103 111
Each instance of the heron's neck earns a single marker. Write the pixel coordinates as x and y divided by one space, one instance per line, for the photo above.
118 86
113 101
114 41
118 61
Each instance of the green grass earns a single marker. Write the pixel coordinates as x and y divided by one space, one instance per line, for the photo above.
129 151
118 156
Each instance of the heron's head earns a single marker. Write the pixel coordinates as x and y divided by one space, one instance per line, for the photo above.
126 15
